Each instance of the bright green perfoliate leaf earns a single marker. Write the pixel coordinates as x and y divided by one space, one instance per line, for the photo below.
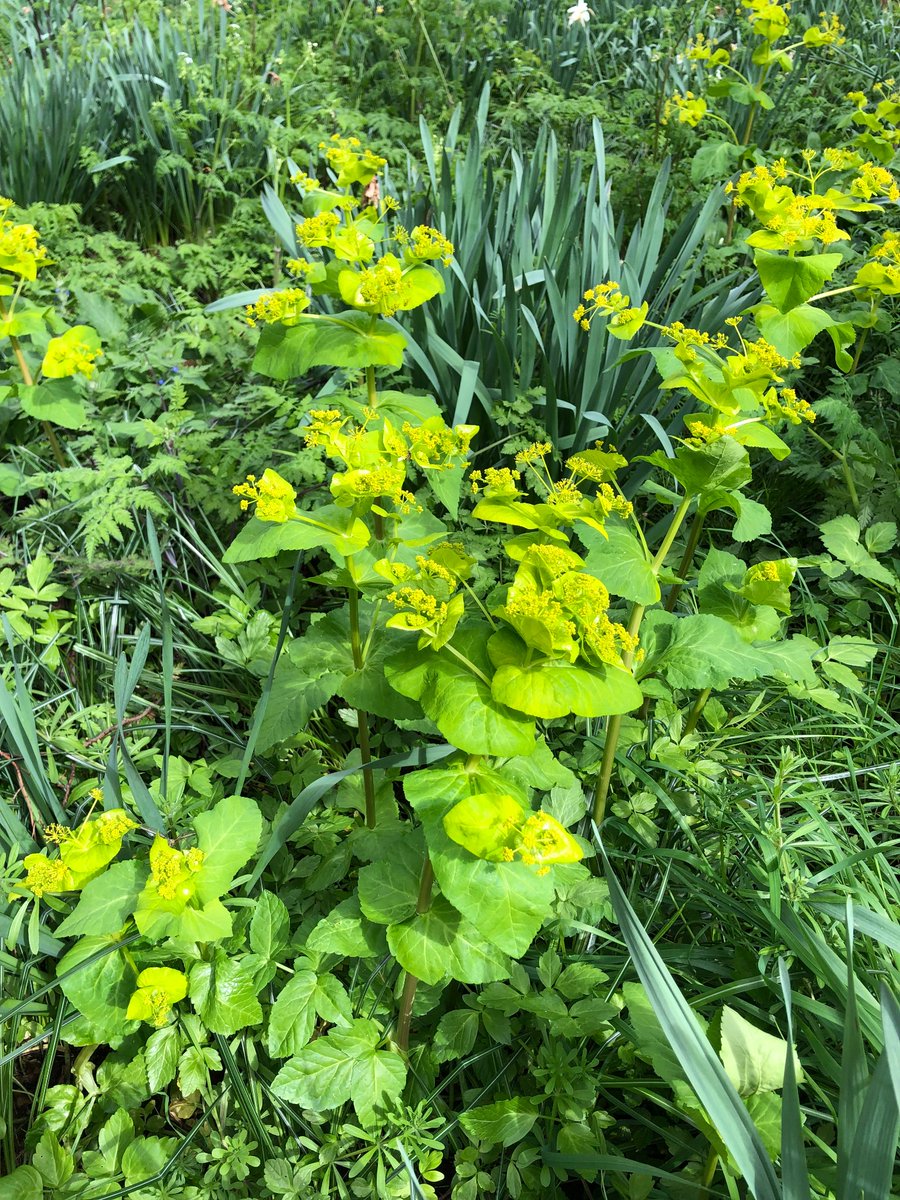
349 340
770 583
506 901
555 687
503 1123
458 700
792 281
620 562
56 401
753 1059
158 989
330 528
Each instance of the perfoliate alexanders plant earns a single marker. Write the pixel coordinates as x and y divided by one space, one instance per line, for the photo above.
484 668
733 79
43 369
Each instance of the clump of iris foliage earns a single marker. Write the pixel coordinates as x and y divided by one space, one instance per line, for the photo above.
449 584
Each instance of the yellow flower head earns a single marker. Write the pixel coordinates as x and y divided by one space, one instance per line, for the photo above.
171 869
689 109
318 230
20 251
383 287
273 496
274 307
426 243
46 875
158 989
73 353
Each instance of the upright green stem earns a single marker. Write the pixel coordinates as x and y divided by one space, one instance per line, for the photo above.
362 717
411 982
614 724
28 380
699 705
687 558
372 393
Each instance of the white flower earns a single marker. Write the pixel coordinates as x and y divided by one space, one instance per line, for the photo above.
579 13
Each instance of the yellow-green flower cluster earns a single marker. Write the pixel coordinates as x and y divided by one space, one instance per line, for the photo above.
352 162
432 444
701 50
829 32
383 287
273 496
74 352
83 852
788 406
497 483
499 828
172 871
688 108
274 307
425 244
318 230
769 20
20 250
559 610
158 988
608 300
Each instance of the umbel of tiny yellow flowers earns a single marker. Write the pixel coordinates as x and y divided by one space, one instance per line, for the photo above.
273 496
689 109
73 353
498 828
83 853
608 300
20 252
158 988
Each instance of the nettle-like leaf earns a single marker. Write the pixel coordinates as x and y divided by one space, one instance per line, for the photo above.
106 902
100 989
223 992
344 1065
440 943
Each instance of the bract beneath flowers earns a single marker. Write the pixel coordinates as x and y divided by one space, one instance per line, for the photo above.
499 829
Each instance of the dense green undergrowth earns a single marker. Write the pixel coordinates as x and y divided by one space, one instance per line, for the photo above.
449 590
